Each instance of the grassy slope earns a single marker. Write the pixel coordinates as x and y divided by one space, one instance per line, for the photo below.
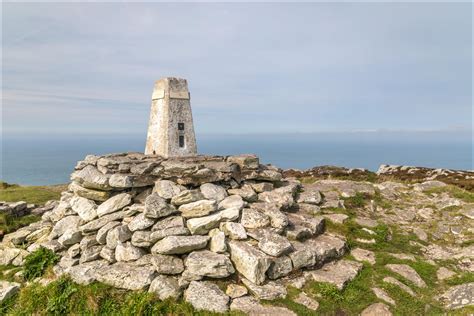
30 194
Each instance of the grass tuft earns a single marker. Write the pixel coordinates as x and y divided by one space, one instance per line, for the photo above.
37 262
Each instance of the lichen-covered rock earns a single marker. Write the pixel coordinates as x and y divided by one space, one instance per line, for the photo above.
128 252
217 243
114 204
280 267
64 224
187 196
202 225
96 195
213 192
156 207
459 296
70 237
117 235
408 273
86 209
140 222
271 243
246 192
165 287
249 261
235 231
91 178
251 306
169 226
206 296
198 208
233 201
179 244
377 309
167 189
98 223
269 291
165 264
209 264
337 273
252 219
234 290
126 275
101 236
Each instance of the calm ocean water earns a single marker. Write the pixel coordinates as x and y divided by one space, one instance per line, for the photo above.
36 160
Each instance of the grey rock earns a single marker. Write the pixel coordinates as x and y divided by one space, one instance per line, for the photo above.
336 218
187 196
179 244
88 241
202 225
167 264
198 208
128 252
273 244
366 222
156 207
233 201
217 243
91 178
408 273
64 224
245 161
235 231
249 261
206 296
268 291
70 237
114 204
102 233
7 255
444 273
116 235
140 222
252 219
108 254
213 192
125 181
302 256
127 276
209 264
363 255
458 296
310 197
337 273
381 294
246 192
234 290
96 195
279 197
143 238
167 189
16 238
90 254
74 250
251 306
278 219
85 273
165 287
102 221
377 309
170 226
280 267
86 209
260 187
306 301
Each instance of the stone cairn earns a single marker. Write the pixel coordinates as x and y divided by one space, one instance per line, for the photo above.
173 226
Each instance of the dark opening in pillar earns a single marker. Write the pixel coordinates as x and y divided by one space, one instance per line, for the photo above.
181 141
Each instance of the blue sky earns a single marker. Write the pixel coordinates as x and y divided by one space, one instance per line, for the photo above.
252 68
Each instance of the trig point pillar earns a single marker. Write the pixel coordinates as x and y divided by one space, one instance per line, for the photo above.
170 129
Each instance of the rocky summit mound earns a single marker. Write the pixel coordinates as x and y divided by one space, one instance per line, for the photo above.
175 227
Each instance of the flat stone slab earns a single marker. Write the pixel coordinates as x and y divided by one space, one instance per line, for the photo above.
251 306
381 294
127 275
179 244
337 273
306 301
8 289
459 296
206 296
363 255
377 309
268 291
408 273
402 286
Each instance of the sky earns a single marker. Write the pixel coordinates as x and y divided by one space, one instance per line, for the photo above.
89 68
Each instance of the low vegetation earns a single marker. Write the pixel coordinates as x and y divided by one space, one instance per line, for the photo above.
37 262
30 194
10 223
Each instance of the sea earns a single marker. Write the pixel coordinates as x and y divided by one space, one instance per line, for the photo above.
50 159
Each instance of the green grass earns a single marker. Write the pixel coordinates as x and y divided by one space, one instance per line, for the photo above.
30 194
455 192
64 297
9 223
37 262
